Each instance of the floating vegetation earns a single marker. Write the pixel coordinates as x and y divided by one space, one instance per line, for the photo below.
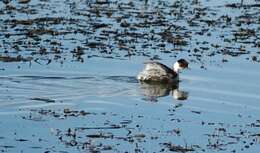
111 134
115 29
18 58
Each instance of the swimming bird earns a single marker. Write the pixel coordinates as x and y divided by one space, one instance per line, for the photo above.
158 72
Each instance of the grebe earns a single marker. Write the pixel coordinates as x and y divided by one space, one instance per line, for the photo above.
158 72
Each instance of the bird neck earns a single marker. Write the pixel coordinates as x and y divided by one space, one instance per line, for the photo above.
176 67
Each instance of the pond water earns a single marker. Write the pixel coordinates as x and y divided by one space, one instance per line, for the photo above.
68 76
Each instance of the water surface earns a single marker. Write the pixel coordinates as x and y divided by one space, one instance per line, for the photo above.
67 76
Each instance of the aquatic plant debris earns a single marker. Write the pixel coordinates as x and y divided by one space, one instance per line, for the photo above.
123 29
47 100
223 136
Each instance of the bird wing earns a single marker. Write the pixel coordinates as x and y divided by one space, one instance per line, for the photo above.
159 67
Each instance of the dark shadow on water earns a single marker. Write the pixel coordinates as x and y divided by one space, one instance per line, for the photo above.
127 79
114 78
35 77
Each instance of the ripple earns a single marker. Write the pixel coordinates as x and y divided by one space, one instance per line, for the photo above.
23 89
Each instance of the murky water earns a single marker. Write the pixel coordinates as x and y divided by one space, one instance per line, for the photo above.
67 76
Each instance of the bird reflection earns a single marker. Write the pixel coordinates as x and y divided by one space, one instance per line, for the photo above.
152 91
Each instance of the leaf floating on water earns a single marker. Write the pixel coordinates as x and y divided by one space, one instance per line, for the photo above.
99 135
178 148
196 112
22 140
47 100
7 146
101 127
24 1
18 58
139 136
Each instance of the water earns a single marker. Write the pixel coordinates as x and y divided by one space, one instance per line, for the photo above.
72 87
